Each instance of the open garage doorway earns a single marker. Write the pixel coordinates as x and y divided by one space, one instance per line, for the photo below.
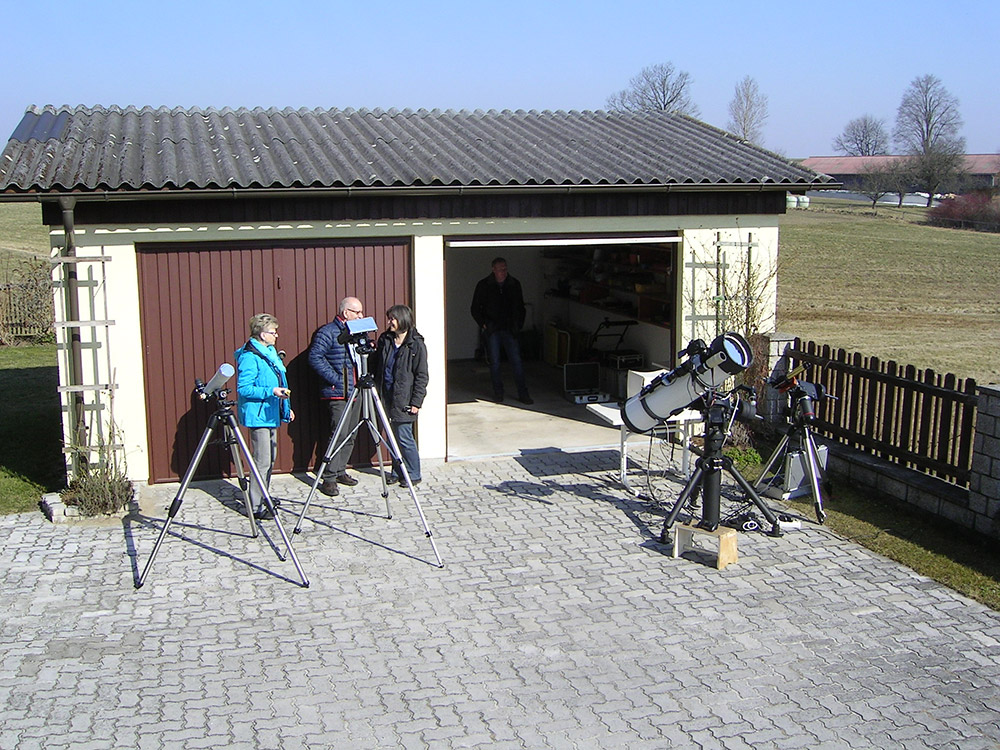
559 328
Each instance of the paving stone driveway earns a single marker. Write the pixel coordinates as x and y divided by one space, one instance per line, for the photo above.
557 621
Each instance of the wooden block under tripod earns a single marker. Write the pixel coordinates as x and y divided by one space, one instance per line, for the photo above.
726 538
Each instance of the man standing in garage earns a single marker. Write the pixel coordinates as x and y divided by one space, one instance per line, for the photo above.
498 308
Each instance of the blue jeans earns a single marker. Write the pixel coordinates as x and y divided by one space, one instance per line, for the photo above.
512 347
407 450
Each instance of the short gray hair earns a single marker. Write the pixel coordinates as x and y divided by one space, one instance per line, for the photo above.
260 321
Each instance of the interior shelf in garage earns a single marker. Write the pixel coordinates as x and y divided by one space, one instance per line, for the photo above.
636 280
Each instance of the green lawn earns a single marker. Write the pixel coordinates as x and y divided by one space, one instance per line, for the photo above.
30 428
930 546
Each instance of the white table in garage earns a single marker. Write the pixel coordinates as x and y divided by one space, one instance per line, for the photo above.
678 424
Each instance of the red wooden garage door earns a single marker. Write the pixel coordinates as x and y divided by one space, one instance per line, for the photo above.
195 302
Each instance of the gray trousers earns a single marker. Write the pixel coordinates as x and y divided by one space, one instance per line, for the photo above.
263 449
338 464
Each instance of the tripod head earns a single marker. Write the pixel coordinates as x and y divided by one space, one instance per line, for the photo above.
356 334
720 409
215 388
802 396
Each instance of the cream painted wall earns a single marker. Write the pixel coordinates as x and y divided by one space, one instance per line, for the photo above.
443 325
109 291
428 289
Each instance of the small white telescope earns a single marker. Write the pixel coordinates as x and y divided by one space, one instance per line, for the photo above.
217 383
706 368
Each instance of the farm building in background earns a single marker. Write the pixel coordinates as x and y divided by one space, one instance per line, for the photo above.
982 170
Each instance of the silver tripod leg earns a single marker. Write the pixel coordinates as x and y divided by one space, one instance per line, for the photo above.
179 498
366 405
779 452
331 450
811 464
397 455
266 496
228 420
812 469
370 401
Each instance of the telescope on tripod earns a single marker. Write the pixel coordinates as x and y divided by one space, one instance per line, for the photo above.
697 383
356 335
798 446
215 390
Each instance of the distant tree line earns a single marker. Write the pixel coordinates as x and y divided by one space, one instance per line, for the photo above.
926 132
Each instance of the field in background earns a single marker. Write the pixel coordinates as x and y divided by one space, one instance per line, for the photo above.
887 286
21 228
22 238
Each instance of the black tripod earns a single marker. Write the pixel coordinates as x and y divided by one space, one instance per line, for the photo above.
223 416
719 414
371 406
799 442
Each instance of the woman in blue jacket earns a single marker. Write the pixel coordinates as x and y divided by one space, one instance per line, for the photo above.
262 400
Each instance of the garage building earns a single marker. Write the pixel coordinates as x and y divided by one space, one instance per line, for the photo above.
171 227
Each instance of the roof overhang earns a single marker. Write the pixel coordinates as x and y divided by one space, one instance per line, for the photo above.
145 194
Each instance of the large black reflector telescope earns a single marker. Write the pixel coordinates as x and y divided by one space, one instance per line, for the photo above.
706 368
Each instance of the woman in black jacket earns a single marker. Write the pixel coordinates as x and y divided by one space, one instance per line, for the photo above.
400 369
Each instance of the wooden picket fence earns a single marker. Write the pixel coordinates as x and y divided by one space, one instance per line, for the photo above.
916 418
25 309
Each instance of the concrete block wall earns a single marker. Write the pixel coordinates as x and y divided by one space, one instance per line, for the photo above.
771 404
984 485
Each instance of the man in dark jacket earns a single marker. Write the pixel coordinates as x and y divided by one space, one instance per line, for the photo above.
498 308
335 364
400 368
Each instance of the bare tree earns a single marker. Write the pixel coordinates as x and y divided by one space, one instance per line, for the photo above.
863 136
938 171
876 182
656 88
927 127
748 111
900 178
928 119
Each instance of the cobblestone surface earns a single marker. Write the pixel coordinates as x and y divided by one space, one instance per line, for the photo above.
557 621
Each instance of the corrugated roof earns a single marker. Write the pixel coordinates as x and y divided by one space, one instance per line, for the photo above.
57 149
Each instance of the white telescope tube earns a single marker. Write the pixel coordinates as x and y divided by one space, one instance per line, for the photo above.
674 391
218 380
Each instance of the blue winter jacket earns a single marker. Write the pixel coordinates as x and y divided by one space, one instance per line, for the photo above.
332 361
260 372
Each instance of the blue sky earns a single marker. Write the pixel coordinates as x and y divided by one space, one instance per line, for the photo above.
819 63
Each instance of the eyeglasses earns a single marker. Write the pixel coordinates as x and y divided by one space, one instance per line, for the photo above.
356 312
273 333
